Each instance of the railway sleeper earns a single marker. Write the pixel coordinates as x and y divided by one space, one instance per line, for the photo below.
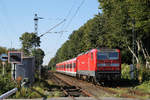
70 91
73 90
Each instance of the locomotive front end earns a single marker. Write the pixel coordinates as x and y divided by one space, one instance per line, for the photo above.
108 65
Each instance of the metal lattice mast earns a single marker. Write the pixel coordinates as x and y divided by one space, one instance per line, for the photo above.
36 24
36 19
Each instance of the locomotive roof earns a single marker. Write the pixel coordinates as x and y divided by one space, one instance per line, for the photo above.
67 61
99 49
91 50
107 49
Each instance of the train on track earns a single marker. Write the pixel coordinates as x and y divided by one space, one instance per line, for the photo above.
93 65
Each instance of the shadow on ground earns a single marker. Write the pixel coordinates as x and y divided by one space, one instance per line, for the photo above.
121 83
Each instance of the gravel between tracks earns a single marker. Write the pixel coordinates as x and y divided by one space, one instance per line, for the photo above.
92 89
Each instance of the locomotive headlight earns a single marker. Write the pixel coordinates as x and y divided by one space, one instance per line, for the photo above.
101 65
105 64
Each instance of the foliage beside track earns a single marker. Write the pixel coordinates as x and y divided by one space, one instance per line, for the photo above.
42 88
125 71
145 87
6 83
112 28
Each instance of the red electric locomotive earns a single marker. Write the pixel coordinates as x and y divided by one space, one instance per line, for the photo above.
95 64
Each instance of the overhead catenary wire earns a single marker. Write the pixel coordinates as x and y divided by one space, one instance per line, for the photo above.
77 10
59 23
67 16
58 32
49 31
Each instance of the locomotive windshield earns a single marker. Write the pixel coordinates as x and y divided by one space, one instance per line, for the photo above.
107 55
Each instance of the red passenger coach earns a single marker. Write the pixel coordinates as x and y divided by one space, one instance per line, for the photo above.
67 67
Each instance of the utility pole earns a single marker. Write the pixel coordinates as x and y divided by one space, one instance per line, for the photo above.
36 18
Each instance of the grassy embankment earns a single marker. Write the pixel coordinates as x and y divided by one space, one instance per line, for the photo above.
141 82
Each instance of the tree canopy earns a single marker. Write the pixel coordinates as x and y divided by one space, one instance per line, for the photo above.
30 46
29 41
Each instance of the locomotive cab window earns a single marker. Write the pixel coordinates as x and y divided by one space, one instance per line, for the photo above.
107 55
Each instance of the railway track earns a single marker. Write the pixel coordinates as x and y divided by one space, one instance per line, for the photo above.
92 87
68 88
74 90
72 83
108 90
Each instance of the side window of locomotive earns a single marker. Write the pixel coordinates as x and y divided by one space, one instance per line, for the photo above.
91 56
74 65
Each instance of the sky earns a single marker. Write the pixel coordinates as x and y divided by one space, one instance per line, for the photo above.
16 18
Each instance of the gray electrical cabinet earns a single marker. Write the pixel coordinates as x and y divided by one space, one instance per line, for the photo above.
20 71
26 69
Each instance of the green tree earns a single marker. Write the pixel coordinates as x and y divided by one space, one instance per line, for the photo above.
3 50
29 41
121 17
39 55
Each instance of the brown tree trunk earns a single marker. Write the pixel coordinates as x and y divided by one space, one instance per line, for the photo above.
146 55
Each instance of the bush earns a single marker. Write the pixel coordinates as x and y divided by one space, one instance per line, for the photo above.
6 84
125 71
145 86
143 74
